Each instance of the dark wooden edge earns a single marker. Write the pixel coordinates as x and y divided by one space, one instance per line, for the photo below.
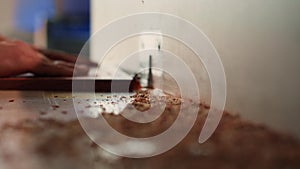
65 84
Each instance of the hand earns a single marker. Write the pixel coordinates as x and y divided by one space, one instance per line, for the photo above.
17 57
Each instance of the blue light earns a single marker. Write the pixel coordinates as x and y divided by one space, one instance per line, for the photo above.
31 14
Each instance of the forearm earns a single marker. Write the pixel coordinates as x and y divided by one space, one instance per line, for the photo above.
2 38
18 57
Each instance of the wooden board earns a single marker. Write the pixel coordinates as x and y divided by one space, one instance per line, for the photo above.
65 84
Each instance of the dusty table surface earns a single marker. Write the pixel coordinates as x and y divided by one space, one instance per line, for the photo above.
41 130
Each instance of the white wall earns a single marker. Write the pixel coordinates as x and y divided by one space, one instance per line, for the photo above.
6 16
259 44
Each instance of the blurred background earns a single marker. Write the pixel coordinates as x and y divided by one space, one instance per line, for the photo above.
56 24
258 42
